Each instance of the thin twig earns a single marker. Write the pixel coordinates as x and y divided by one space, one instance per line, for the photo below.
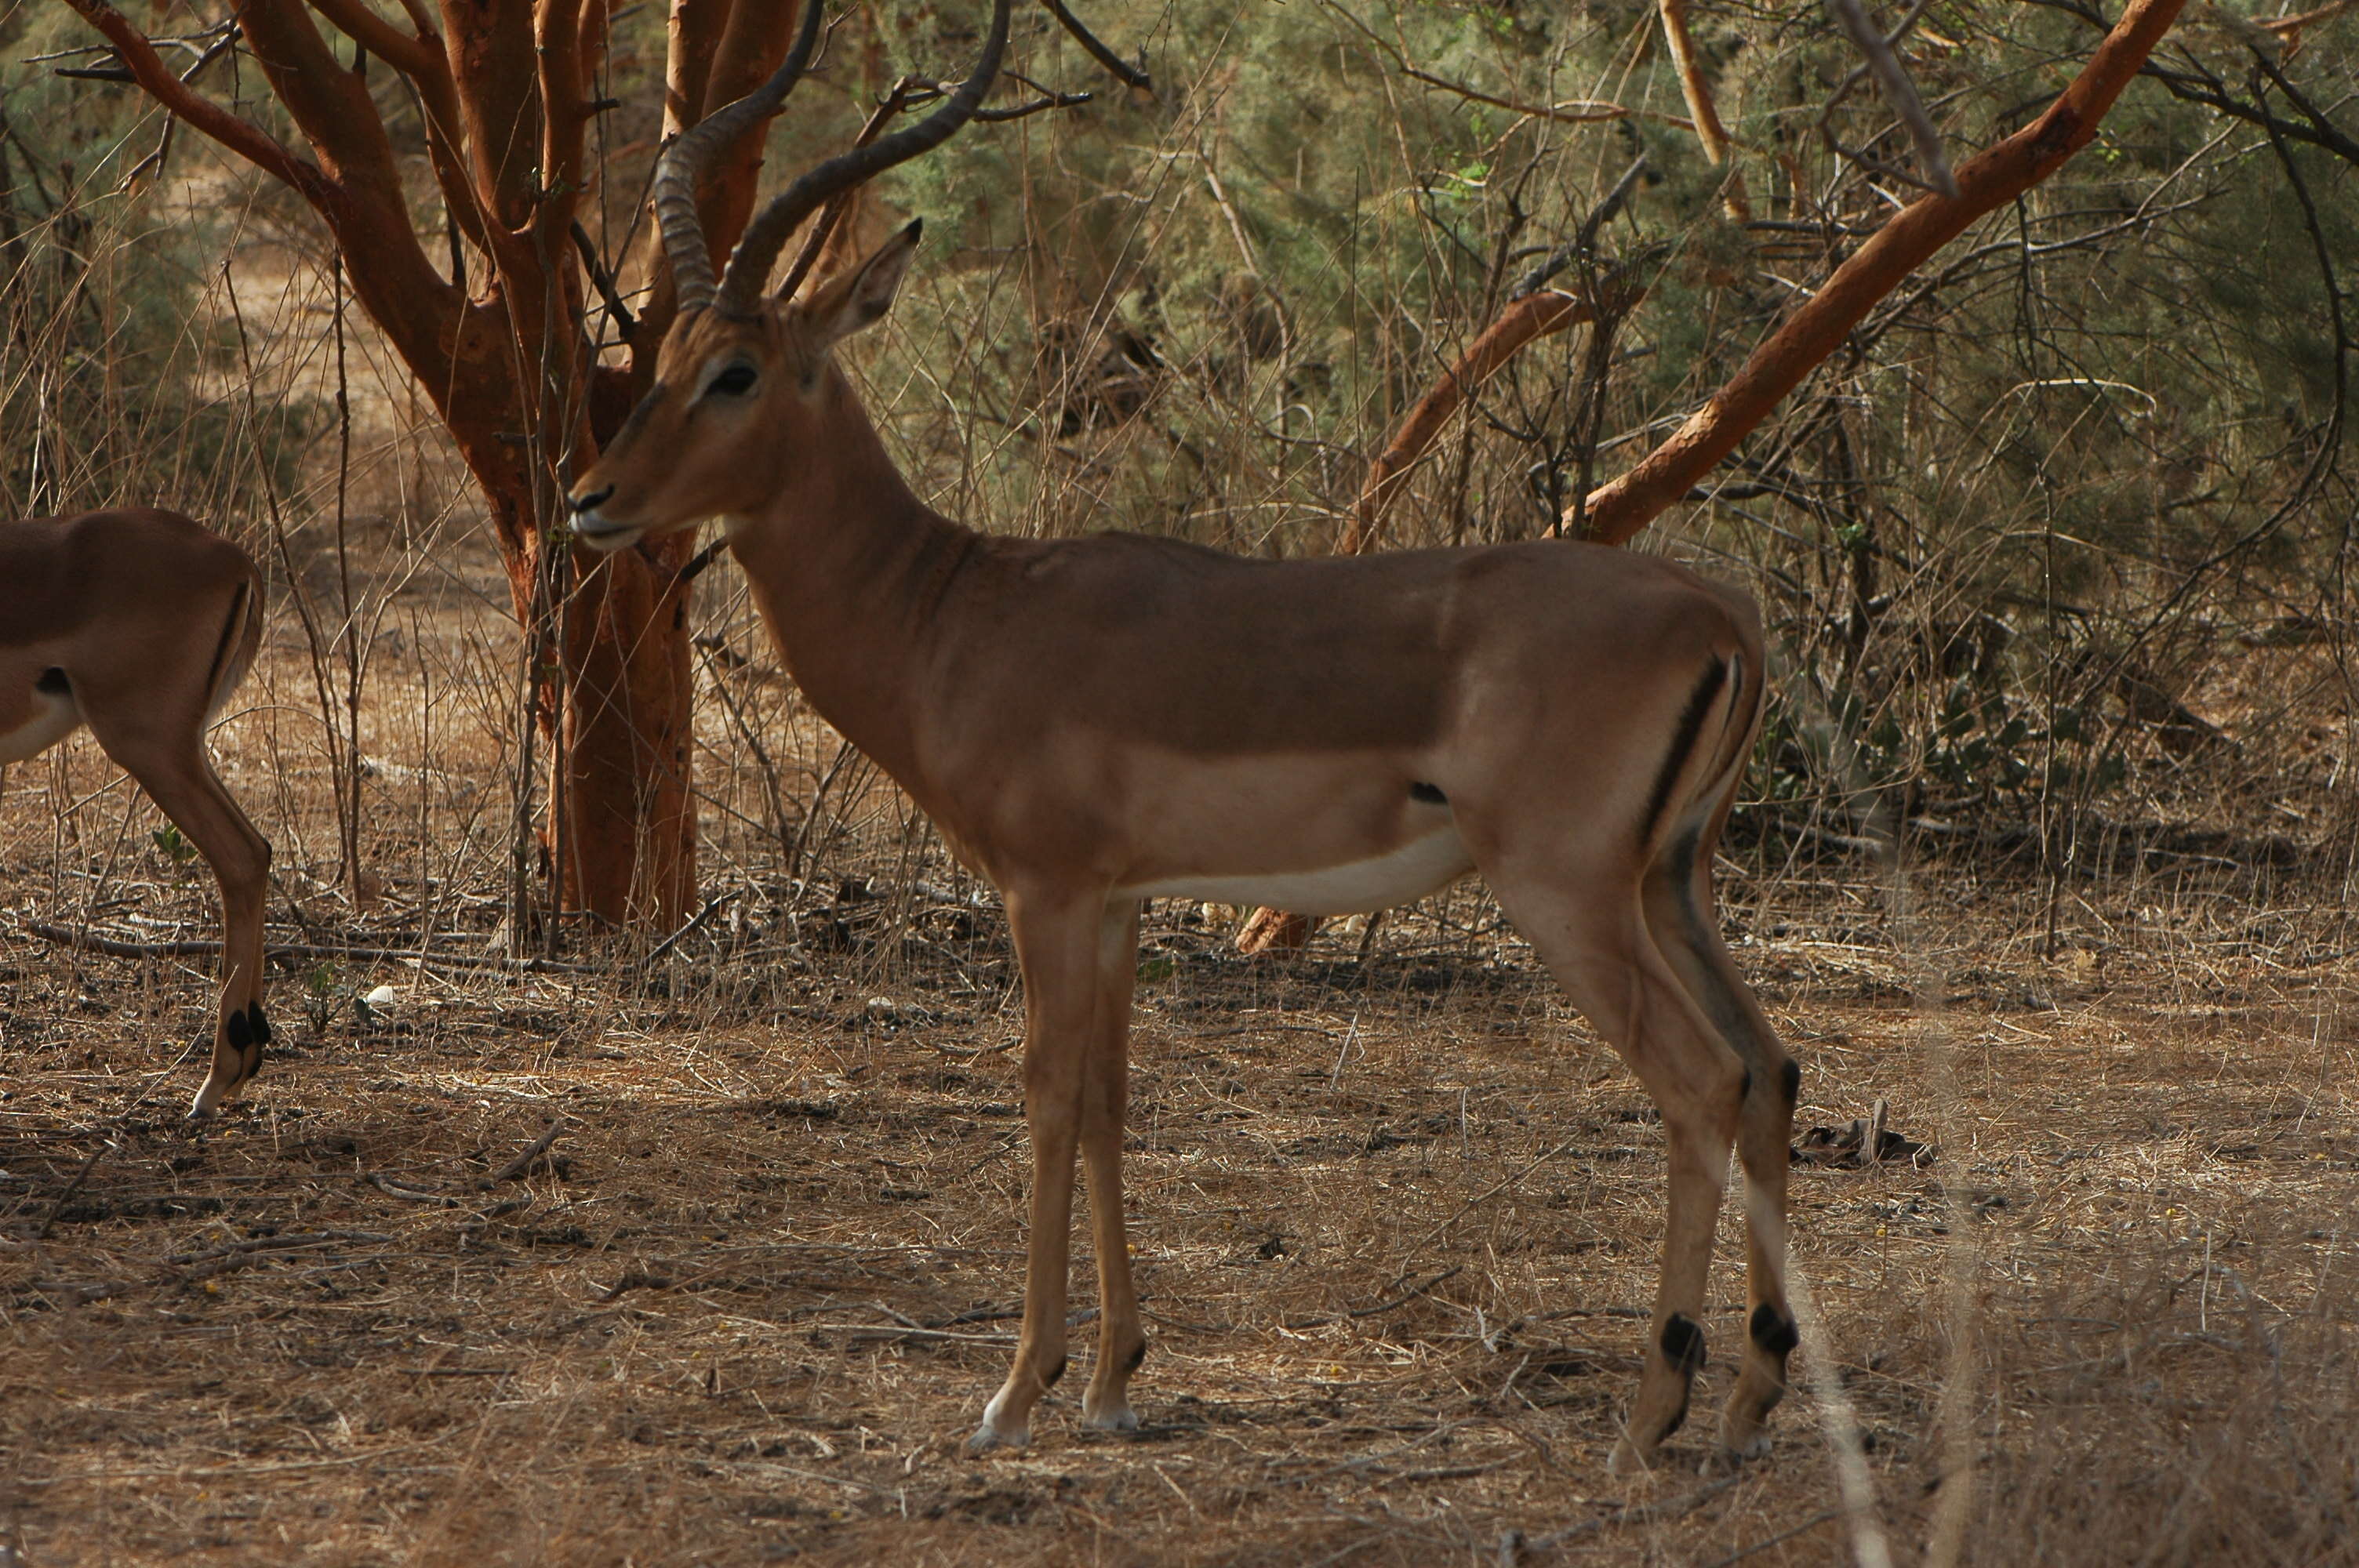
694 923
73 1187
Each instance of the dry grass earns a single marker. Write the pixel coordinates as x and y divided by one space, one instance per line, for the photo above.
1396 1221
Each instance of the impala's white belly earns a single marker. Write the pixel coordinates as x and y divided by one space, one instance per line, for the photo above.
1417 868
54 717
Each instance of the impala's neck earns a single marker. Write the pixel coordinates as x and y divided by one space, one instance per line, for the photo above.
847 565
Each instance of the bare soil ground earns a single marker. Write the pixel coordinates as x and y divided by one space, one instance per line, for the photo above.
1396 1214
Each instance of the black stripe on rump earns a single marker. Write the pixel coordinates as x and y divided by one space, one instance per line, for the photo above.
227 650
1683 743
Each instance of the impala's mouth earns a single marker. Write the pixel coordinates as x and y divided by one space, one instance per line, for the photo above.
596 530
600 534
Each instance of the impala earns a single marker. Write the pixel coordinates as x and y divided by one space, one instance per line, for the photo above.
140 623
1093 722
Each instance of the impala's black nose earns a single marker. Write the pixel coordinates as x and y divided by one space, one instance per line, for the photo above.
591 501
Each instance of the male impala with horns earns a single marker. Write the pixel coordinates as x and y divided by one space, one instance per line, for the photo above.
1093 722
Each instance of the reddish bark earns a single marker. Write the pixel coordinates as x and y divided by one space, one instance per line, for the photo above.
505 90
1693 87
1634 498
1525 320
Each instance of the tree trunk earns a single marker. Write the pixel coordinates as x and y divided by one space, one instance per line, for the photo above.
629 845
504 92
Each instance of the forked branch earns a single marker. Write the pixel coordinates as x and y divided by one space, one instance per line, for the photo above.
163 85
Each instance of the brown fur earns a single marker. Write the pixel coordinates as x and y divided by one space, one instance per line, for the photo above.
1087 718
150 622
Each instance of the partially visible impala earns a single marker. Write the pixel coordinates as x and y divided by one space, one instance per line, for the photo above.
140 623
1093 722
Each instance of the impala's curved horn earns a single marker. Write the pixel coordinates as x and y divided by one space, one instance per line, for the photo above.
684 160
757 251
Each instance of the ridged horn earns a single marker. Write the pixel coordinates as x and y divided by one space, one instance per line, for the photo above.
692 150
758 250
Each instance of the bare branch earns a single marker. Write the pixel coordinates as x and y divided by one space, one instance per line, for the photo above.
1692 86
625 325
249 141
1585 242
1899 90
411 56
2288 29
1050 98
1533 315
1993 178
1129 75
557 30
904 95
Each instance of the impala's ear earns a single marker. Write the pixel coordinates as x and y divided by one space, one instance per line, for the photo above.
845 304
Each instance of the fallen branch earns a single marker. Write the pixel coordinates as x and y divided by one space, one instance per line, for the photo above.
533 1150
275 1244
116 947
73 1187
394 1189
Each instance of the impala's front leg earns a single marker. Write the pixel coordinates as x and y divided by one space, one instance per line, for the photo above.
1105 1095
1057 943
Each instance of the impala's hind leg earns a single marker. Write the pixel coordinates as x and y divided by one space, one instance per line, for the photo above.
1105 1094
164 748
1681 914
1591 933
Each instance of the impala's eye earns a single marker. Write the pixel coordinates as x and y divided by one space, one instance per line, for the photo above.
736 381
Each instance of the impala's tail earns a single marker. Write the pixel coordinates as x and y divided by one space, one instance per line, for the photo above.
241 640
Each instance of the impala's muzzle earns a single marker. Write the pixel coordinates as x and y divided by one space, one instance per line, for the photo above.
600 533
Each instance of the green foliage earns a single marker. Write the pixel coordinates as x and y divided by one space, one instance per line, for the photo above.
172 845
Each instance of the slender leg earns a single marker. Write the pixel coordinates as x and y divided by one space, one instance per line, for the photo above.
1679 913
175 772
1106 1095
1056 946
1607 962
